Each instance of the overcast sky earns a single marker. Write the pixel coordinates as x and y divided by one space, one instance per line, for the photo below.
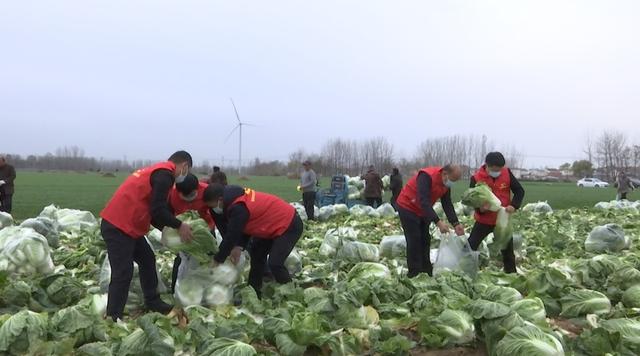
144 78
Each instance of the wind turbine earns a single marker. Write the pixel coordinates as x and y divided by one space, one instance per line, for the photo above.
239 128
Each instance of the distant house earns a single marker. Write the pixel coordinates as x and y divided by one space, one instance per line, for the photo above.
519 172
553 172
567 173
537 173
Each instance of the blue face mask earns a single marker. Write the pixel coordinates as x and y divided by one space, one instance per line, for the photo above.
494 174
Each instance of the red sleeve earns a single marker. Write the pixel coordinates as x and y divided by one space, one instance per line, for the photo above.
206 215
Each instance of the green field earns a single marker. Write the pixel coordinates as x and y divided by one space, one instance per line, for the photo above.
90 191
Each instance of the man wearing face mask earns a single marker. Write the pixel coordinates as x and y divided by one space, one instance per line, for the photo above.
502 183
188 196
126 219
273 225
415 209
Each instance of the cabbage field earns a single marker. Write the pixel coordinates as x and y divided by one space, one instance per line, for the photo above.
577 291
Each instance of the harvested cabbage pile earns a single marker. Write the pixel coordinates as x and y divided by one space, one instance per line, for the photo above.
201 284
203 245
24 251
626 205
605 238
541 207
568 297
70 219
5 220
480 195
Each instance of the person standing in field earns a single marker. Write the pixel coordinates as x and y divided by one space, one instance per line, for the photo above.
502 182
624 185
395 185
372 187
308 183
272 224
7 176
218 176
142 198
415 209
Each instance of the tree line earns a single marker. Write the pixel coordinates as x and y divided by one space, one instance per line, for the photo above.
353 157
604 154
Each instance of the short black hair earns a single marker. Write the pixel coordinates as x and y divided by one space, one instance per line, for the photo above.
213 192
181 157
396 171
188 185
216 169
495 159
218 177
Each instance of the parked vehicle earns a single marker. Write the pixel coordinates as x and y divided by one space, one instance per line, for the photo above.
592 183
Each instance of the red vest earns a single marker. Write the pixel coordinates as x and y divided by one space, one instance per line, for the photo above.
269 216
409 199
500 186
129 207
180 206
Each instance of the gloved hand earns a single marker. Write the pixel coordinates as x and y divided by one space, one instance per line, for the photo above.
2 182
298 188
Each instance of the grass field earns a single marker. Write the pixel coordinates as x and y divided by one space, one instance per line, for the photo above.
90 191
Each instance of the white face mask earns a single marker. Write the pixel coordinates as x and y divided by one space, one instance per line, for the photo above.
182 176
218 209
191 197
448 183
494 174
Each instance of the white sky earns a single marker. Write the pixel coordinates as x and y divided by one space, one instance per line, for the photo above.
144 78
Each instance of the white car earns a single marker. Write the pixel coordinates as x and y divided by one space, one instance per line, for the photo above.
592 182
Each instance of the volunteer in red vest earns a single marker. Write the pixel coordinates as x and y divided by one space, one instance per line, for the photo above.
272 223
126 219
188 196
415 209
502 183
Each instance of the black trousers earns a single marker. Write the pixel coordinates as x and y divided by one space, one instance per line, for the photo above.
479 232
308 200
374 202
393 201
123 250
623 196
5 202
174 272
278 250
416 232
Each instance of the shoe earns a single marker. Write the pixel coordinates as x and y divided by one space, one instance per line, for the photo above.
159 306
115 318
237 301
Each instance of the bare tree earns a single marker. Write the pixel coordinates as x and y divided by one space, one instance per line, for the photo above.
612 152
589 148
635 157
340 156
467 151
513 156
378 152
